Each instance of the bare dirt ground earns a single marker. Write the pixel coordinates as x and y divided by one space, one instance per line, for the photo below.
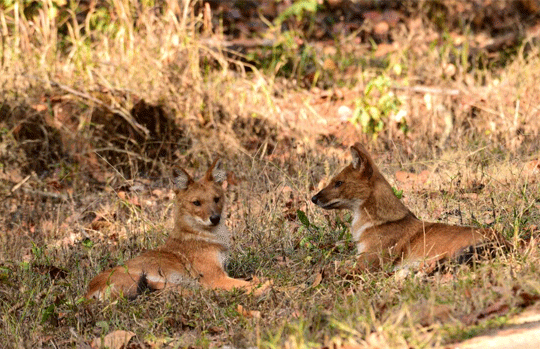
522 332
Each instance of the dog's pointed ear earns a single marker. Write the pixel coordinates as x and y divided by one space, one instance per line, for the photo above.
216 173
182 179
361 160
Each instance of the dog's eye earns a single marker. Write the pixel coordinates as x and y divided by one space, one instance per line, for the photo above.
216 199
338 184
196 203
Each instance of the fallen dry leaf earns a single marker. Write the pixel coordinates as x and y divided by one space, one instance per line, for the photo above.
232 179
374 16
114 340
290 289
438 313
384 49
317 280
282 260
498 308
533 167
39 107
11 174
381 28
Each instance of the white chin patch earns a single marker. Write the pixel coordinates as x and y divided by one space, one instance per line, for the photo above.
357 234
332 203
205 223
198 221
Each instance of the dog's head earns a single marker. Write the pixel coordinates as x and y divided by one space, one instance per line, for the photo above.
200 203
352 186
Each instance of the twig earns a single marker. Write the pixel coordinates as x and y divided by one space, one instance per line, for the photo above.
18 185
124 114
3 49
46 194
37 192
427 89
234 45
21 303
118 150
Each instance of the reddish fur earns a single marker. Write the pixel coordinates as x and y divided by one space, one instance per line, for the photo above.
388 231
193 253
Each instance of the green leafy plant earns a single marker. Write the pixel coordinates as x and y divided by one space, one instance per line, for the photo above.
377 107
397 193
303 218
290 56
48 313
298 9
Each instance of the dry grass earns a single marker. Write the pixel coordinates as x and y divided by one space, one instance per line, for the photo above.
79 211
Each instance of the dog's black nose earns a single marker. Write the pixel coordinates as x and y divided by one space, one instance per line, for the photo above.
215 219
315 198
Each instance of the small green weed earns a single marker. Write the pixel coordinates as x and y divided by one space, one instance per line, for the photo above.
298 9
397 193
375 110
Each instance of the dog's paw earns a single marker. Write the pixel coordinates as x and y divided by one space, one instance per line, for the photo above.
343 269
260 286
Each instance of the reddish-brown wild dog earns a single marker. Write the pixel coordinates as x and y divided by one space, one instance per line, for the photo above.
195 251
384 229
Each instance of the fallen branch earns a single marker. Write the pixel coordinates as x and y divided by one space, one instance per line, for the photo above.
432 90
46 194
122 112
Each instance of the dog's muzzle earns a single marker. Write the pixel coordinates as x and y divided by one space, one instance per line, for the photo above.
315 198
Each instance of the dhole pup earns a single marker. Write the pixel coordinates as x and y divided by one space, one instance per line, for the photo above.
195 251
384 230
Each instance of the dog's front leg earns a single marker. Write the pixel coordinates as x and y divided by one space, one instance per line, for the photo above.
368 261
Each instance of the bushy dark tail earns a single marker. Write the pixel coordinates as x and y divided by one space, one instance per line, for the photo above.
471 254
143 286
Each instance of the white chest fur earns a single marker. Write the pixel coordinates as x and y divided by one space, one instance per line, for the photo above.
222 235
358 227
223 259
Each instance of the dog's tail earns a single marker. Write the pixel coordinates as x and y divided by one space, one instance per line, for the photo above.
116 282
143 286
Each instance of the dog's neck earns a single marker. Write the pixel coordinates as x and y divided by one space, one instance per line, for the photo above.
218 234
380 207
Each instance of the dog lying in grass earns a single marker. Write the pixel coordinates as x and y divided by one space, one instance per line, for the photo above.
385 230
195 252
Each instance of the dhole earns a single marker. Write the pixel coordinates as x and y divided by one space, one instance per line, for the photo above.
195 251
384 229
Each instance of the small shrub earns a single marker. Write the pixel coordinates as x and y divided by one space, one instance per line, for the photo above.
377 107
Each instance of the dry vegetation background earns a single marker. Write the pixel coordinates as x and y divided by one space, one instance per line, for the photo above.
100 99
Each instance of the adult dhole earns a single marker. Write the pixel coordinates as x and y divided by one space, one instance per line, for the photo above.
385 230
194 253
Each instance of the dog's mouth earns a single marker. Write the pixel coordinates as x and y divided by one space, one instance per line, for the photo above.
330 205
